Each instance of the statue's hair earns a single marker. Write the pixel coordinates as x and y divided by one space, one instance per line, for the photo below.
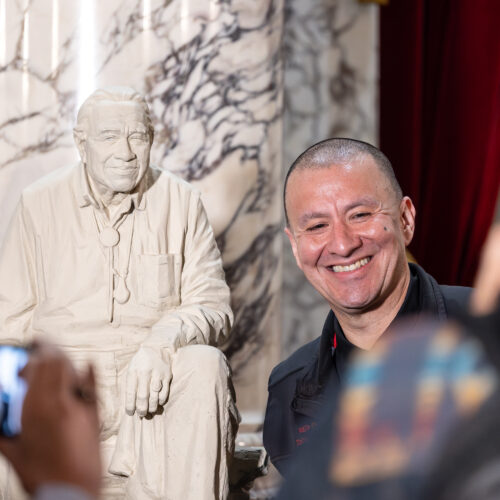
339 151
114 94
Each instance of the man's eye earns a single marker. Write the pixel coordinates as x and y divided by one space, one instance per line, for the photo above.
361 215
315 227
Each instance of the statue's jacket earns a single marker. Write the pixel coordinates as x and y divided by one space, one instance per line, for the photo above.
162 284
56 277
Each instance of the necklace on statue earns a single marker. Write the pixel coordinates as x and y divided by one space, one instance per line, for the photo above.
110 237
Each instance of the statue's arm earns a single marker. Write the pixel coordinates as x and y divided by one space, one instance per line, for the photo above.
204 315
18 289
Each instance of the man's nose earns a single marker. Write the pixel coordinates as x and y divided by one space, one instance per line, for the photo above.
124 152
343 239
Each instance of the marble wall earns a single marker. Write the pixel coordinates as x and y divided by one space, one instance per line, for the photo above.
331 72
212 72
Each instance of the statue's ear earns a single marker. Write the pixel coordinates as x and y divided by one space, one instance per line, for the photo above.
80 137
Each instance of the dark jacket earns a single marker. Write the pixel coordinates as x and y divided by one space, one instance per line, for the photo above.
300 386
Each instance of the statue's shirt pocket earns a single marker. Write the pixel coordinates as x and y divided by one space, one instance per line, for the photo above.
159 279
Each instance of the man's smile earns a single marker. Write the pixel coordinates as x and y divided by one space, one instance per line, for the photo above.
352 267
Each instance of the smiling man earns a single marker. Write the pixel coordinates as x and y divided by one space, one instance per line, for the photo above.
115 260
349 225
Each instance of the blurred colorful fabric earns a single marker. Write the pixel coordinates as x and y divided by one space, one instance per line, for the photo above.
402 405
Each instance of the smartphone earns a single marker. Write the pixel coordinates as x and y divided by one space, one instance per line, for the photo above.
12 388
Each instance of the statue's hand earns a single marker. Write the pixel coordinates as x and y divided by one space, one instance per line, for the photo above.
148 382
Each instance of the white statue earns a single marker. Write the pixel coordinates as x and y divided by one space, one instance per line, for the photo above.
116 262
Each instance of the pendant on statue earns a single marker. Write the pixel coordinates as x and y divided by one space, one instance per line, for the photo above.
121 293
109 237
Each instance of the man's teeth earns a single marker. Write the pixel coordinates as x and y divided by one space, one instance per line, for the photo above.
352 267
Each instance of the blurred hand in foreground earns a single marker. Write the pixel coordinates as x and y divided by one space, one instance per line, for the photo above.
59 440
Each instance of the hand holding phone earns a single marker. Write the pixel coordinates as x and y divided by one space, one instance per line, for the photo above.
59 438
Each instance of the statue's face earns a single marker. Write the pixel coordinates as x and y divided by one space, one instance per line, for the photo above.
117 146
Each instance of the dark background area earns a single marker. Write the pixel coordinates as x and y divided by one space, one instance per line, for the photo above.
440 124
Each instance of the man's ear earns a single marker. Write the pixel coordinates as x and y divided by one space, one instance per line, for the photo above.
294 246
408 212
80 138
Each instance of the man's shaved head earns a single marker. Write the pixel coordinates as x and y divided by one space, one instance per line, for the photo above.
340 151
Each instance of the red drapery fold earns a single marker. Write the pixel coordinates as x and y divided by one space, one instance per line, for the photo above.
440 124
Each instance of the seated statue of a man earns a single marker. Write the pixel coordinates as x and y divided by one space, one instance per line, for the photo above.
115 261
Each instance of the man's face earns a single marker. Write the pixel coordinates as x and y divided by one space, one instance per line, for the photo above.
116 149
348 233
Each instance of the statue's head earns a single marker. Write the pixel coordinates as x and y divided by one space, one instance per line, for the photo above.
114 134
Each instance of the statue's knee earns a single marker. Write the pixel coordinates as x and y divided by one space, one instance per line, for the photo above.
204 363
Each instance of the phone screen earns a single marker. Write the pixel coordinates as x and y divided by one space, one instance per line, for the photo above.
12 388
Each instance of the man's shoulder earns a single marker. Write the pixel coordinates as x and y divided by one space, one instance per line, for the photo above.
456 298
450 300
301 358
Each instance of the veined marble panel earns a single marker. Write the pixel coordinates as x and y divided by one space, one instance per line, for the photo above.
212 73
331 61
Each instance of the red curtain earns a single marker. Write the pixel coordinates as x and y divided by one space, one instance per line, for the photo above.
440 124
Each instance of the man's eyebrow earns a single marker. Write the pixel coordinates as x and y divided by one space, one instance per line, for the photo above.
362 202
